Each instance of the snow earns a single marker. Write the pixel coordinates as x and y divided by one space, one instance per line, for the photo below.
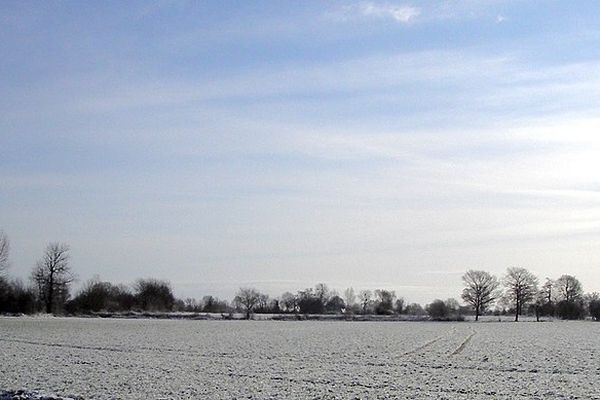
137 359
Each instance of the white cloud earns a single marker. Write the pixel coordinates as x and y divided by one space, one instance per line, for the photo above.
399 13
402 14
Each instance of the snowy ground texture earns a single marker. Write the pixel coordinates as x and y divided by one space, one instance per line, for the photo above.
28 395
165 359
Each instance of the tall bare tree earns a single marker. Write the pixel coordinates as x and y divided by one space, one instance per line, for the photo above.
4 250
52 275
349 299
521 288
247 298
481 290
289 302
547 291
568 288
365 298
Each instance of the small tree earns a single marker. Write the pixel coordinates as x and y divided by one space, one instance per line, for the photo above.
438 309
414 309
322 293
570 309
521 288
365 299
335 304
247 298
594 306
349 299
400 305
481 290
154 295
385 301
289 301
568 288
53 275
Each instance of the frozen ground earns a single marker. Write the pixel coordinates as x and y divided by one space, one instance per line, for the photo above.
140 359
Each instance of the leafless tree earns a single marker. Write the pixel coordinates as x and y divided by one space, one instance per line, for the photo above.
154 294
384 303
568 288
4 250
400 305
521 288
52 275
322 293
289 302
349 299
247 298
547 291
481 290
365 298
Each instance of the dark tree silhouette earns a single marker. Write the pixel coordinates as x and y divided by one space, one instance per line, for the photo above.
438 309
289 301
520 288
568 288
594 306
384 301
53 275
335 304
364 297
481 290
247 298
154 295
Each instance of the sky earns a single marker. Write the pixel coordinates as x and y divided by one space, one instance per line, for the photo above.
369 144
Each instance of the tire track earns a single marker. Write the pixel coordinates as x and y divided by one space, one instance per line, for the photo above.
69 346
464 344
428 344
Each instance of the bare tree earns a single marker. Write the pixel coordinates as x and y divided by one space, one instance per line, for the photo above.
481 290
349 298
289 302
4 250
568 288
154 295
247 298
546 291
384 303
400 305
53 274
521 288
365 298
322 293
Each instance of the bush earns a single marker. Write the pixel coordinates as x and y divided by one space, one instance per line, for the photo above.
570 310
15 298
101 296
154 295
438 310
594 308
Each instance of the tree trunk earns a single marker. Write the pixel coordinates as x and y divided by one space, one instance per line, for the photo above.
476 313
517 312
50 294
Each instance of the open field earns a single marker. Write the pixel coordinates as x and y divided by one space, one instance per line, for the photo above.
135 359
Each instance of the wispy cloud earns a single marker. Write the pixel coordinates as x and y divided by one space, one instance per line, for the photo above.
399 13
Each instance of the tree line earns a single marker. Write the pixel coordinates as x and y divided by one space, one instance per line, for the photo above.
517 292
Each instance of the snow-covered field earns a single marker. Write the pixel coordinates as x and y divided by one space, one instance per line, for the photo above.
151 359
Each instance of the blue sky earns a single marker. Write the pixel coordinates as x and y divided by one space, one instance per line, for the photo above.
279 144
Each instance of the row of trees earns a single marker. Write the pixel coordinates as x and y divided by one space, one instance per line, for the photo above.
518 291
